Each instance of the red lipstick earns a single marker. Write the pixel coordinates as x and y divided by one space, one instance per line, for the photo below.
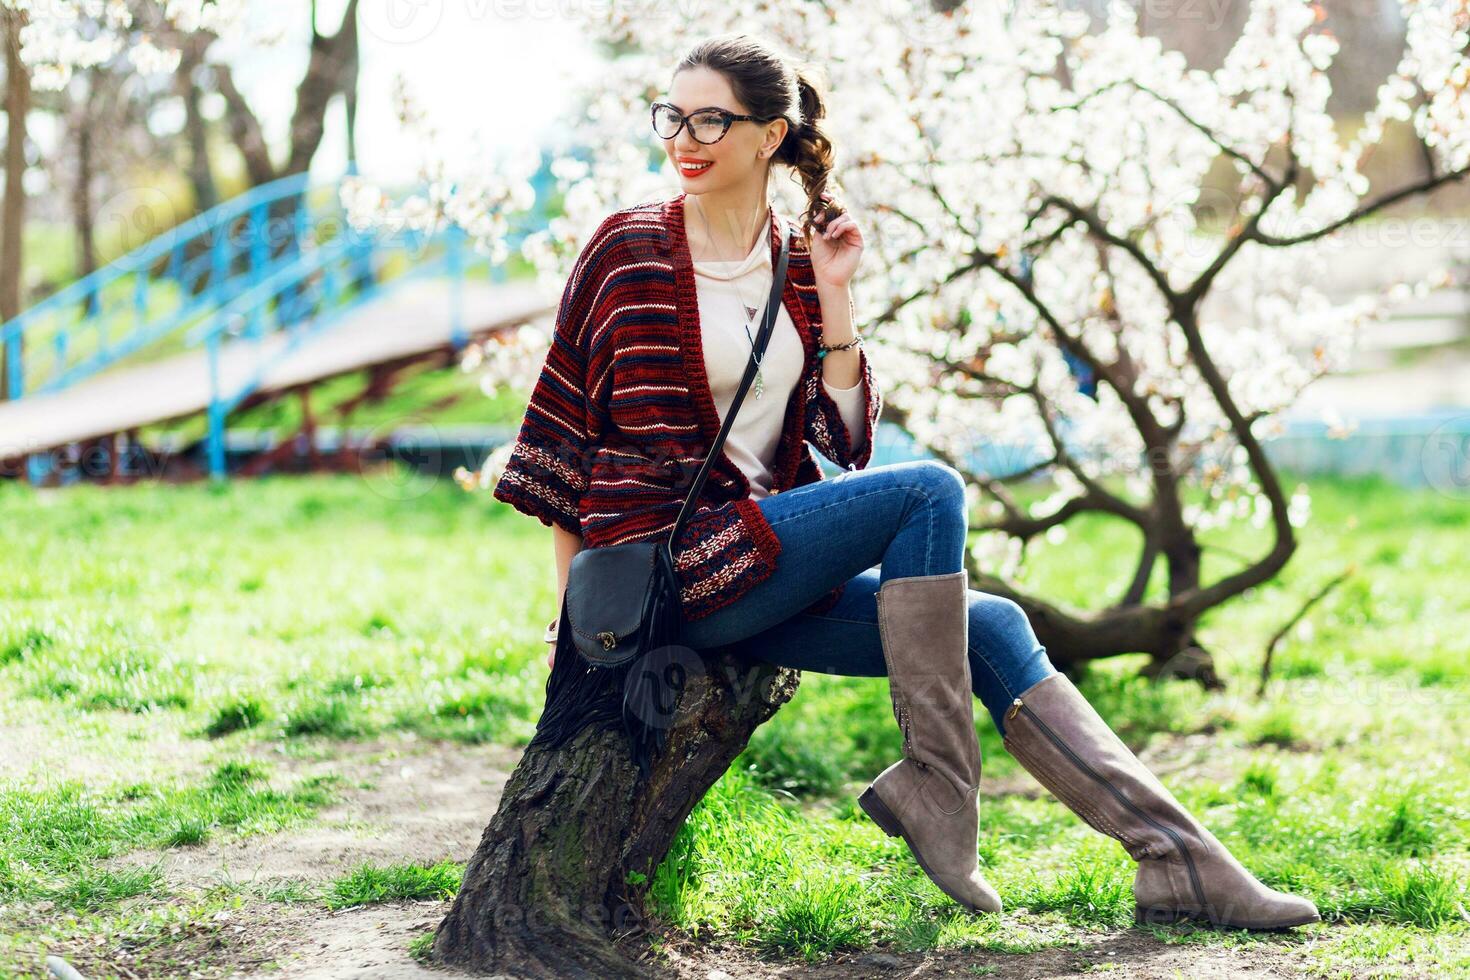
680 160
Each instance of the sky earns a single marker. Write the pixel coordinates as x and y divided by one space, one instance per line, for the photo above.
506 69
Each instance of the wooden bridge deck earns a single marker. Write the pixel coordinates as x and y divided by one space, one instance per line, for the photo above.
412 319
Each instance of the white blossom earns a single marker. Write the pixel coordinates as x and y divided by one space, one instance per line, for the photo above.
61 36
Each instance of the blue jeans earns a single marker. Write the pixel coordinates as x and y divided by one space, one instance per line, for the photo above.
864 527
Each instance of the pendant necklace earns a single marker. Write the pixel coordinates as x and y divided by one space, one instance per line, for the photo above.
760 385
750 312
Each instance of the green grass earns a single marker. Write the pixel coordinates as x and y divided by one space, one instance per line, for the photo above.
55 836
325 610
265 608
421 947
368 884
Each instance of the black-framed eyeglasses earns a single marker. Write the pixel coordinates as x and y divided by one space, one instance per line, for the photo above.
707 125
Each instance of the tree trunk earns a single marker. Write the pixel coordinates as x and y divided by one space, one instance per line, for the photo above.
13 215
82 218
196 129
330 70
244 128
548 892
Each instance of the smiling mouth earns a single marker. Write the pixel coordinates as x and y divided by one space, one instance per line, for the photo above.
695 168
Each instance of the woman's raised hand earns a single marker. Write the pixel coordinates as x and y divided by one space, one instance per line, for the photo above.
836 247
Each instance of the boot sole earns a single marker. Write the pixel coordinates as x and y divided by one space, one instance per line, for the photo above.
1164 916
879 813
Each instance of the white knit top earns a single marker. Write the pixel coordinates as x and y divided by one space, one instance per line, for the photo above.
726 289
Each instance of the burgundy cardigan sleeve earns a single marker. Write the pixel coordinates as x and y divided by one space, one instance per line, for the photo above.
825 428
545 475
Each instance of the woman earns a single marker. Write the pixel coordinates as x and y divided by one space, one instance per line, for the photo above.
653 334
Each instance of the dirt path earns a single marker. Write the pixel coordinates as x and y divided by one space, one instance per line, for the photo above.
1131 955
403 801
409 801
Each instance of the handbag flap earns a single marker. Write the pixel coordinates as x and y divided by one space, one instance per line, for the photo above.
612 587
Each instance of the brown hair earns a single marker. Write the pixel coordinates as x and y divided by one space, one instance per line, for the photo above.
770 84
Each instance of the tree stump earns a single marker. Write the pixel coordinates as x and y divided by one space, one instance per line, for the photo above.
561 872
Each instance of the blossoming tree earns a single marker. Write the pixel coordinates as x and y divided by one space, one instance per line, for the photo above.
1047 265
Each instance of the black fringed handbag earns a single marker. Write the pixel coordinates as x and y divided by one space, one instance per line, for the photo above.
617 655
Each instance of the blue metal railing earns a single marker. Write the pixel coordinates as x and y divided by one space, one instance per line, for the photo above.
281 257
177 279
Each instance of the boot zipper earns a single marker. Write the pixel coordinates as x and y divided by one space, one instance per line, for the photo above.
1199 891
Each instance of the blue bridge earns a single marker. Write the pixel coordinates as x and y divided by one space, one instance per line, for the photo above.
261 296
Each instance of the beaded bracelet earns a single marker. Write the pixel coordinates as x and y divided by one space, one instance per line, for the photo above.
824 347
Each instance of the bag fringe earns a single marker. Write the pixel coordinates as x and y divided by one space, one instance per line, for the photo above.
641 688
579 694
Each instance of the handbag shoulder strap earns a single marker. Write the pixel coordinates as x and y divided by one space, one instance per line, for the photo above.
768 323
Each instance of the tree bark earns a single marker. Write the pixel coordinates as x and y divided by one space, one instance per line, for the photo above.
557 885
196 129
244 128
82 216
13 215
331 70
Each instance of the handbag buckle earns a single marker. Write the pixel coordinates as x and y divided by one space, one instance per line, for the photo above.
609 640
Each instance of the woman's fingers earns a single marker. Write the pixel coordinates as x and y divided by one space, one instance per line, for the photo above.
838 226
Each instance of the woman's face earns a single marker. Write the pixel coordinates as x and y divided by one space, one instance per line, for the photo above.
736 157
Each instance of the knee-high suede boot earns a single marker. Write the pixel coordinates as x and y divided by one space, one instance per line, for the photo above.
930 797
1184 872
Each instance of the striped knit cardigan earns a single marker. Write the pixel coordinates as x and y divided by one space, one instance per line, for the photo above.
621 417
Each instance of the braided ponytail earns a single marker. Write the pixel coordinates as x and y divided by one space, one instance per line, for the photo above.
770 84
808 151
